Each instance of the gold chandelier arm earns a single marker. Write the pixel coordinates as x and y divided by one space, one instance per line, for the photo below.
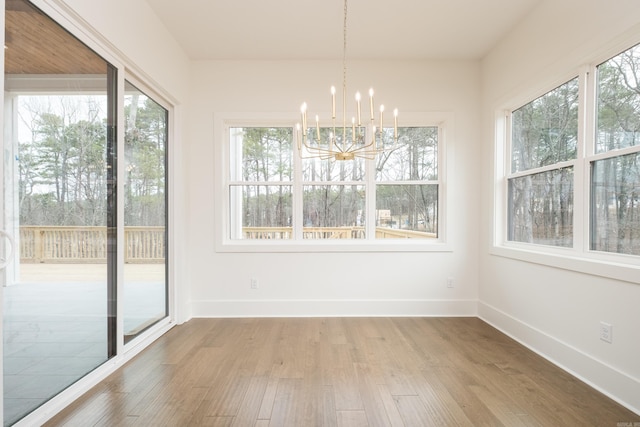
356 145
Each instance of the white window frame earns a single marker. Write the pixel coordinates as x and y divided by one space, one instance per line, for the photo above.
579 257
575 164
223 243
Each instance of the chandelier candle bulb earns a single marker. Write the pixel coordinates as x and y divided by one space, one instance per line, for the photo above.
302 120
333 102
371 102
395 124
353 128
303 111
363 142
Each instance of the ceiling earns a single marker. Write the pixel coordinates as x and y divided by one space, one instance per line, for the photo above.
312 29
35 44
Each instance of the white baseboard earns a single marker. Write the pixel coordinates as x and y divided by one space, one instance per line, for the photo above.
608 380
334 308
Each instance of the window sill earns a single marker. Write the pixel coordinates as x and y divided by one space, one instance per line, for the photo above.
254 246
618 267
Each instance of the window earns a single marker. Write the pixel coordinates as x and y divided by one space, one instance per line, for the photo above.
554 167
407 186
544 134
261 189
145 212
334 194
615 169
275 196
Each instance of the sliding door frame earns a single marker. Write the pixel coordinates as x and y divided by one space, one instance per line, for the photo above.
124 70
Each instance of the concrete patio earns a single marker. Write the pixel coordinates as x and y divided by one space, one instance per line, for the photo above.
55 326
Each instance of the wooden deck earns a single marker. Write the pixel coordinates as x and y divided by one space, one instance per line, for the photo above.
56 273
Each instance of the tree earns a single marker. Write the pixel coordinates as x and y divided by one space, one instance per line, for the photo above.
544 133
267 158
145 157
63 161
64 158
414 160
617 179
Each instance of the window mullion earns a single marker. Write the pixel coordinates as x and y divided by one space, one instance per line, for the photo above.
298 212
442 183
535 171
234 172
370 196
504 175
613 153
581 168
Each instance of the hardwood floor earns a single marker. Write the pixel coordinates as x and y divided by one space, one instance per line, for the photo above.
341 372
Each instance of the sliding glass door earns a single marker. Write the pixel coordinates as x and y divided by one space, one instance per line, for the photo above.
60 207
64 176
145 212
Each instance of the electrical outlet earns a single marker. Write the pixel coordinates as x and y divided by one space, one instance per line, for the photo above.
606 332
450 282
254 283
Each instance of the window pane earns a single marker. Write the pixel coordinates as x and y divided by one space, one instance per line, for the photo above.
261 154
333 211
261 211
406 211
541 208
618 101
545 131
315 170
329 169
615 210
145 213
415 157
59 200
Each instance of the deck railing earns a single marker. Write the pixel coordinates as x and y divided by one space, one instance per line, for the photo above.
283 233
394 233
50 244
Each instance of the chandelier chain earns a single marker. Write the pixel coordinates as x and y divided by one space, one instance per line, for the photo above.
344 49
355 141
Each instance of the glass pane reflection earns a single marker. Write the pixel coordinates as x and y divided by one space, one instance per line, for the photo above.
145 284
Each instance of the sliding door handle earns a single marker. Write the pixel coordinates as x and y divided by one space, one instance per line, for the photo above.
9 250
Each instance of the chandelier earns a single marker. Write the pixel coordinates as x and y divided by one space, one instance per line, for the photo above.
350 140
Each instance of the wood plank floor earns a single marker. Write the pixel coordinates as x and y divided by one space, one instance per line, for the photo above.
341 372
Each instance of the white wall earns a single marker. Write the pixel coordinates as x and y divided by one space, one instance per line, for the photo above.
355 283
132 28
554 310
